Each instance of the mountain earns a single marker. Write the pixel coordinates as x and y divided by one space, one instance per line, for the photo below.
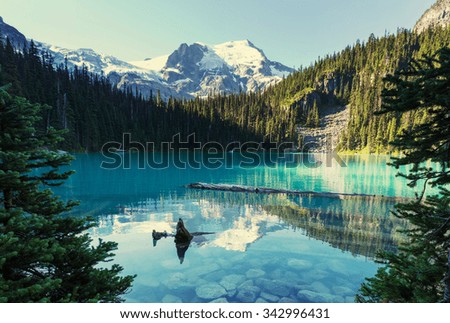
437 15
15 37
189 71
231 67
119 72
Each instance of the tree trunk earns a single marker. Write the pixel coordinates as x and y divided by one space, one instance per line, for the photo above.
7 195
266 190
447 281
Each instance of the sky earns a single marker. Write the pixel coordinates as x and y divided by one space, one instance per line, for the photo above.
293 32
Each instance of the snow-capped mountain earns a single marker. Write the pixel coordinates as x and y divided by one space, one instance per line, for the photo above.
200 69
119 72
191 70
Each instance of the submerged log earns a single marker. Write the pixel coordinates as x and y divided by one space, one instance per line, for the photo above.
265 190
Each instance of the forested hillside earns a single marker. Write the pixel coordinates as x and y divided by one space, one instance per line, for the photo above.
354 77
94 112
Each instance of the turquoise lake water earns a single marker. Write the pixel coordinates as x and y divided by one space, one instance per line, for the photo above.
264 248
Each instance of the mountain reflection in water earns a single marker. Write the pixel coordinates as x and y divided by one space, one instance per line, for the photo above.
359 226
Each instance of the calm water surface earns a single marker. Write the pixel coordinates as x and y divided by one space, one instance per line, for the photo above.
264 248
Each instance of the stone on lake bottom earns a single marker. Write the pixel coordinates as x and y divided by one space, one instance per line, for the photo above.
286 275
246 283
248 294
231 282
210 291
319 288
231 293
255 273
274 287
177 281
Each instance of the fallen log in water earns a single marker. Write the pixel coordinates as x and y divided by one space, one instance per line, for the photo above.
265 190
158 235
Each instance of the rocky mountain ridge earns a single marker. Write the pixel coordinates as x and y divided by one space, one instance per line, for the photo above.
16 37
437 15
189 71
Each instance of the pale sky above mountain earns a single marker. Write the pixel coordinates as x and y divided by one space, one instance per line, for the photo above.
293 32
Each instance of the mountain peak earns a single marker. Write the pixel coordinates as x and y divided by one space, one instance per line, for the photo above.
86 49
186 56
240 52
436 16
247 42
199 69
244 42
200 43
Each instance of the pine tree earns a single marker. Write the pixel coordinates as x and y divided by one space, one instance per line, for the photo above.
420 271
315 117
44 255
312 119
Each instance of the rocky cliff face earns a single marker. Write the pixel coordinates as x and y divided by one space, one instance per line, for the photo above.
196 69
325 92
437 15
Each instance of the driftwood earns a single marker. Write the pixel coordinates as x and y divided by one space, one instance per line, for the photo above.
265 190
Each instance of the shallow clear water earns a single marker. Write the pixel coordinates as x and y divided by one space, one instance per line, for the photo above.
264 248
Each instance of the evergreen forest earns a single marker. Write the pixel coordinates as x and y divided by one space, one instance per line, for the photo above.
94 111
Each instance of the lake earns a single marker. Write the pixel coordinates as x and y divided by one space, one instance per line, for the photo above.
262 248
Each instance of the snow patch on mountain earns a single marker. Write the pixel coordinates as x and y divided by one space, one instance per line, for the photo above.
152 64
239 53
210 60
